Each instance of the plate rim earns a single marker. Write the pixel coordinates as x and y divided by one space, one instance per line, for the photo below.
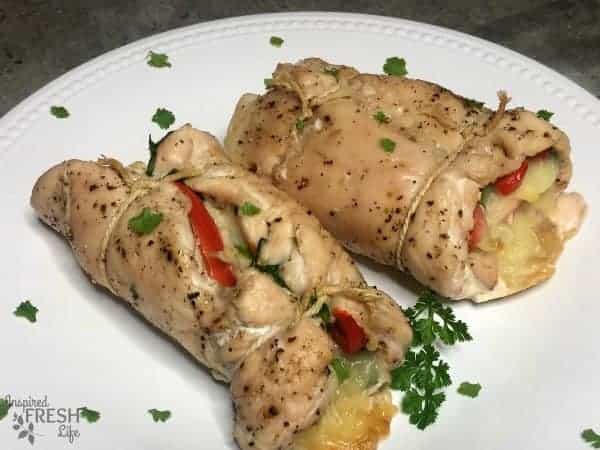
17 119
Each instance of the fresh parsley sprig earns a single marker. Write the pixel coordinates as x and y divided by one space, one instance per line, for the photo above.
430 318
591 437
423 375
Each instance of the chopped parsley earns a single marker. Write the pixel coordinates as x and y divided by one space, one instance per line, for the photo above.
387 145
244 251
152 147
60 112
591 437
545 115
133 291
470 103
145 222
341 368
27 311
469 389
432 319
324 314
381 117
160 416
270 269
395 66
273 270
248 209
89 414
423 375
276 41
158 60
268 82
300 124
163 118
4 407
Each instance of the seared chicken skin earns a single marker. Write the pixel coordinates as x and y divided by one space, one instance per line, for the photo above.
230 268
394 168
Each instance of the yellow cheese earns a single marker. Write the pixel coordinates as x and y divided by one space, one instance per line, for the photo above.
540 175
527 248
354 420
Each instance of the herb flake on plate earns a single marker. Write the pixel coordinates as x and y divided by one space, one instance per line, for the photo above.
469 389
89 414
163 118
395 66
276 41
60 112
27 311
160 416
158 60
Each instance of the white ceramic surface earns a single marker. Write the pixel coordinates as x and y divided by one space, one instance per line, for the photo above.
536 354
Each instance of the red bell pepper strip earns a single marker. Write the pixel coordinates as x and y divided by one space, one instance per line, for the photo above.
509 183
208 239
479 227
347 333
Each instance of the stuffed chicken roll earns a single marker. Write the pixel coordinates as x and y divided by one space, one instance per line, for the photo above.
248 283
468 200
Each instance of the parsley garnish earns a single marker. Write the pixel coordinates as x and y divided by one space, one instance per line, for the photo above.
163 118
60 112
244 251
470 103
269 269
152 147
268 82
395 66
381 117
134 292
387 145
160 416
158 60
591 437
4 407
300 124
26 310
423 374
273 270
248 209
324 314
430 318
341 367
276 41
145 222
545 115
89 414
469 389
333 72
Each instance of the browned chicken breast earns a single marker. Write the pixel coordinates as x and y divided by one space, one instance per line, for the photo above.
243 278
395 168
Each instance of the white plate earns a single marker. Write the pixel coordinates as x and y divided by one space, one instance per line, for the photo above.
536 354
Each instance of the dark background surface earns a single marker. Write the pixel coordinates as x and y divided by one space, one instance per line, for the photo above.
42 39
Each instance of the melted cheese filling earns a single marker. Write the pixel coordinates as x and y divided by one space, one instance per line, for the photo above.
354 419
525 241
